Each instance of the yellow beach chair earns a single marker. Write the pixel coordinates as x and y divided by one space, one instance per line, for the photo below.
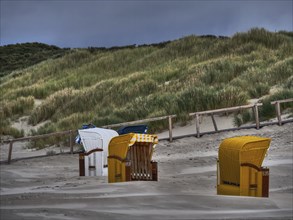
239 170
130 158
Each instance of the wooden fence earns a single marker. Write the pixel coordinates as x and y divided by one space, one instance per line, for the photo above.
30 138
211 113
254 107
169 118
278 108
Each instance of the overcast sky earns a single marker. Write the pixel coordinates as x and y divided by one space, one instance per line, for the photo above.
85 23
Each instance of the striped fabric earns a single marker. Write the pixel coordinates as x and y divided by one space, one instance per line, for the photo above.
146 138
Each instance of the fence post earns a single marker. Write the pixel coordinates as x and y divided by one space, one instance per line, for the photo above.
214 122
61 150
197 125
278 112
70 142
170 128
10 152
255 108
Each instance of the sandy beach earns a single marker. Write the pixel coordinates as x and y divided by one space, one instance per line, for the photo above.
50 187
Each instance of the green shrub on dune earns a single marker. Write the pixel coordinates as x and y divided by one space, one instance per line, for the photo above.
114 85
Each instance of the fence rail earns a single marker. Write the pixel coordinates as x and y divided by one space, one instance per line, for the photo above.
254 108
62 133
138 121
278 108
225 110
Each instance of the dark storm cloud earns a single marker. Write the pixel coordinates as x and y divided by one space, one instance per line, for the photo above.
113 23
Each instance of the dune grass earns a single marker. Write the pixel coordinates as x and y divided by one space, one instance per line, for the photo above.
124 84
20 56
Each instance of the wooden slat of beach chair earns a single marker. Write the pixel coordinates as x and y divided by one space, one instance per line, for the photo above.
145 162
139 157
141 162
136 150
150 161
143 169
134 160
131 162
138 162
149 165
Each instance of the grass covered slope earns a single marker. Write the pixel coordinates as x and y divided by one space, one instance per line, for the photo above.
19 56
105 86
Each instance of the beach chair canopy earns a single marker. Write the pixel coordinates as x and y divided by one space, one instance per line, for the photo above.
138 129
237 151
120 145
97 138
85 126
